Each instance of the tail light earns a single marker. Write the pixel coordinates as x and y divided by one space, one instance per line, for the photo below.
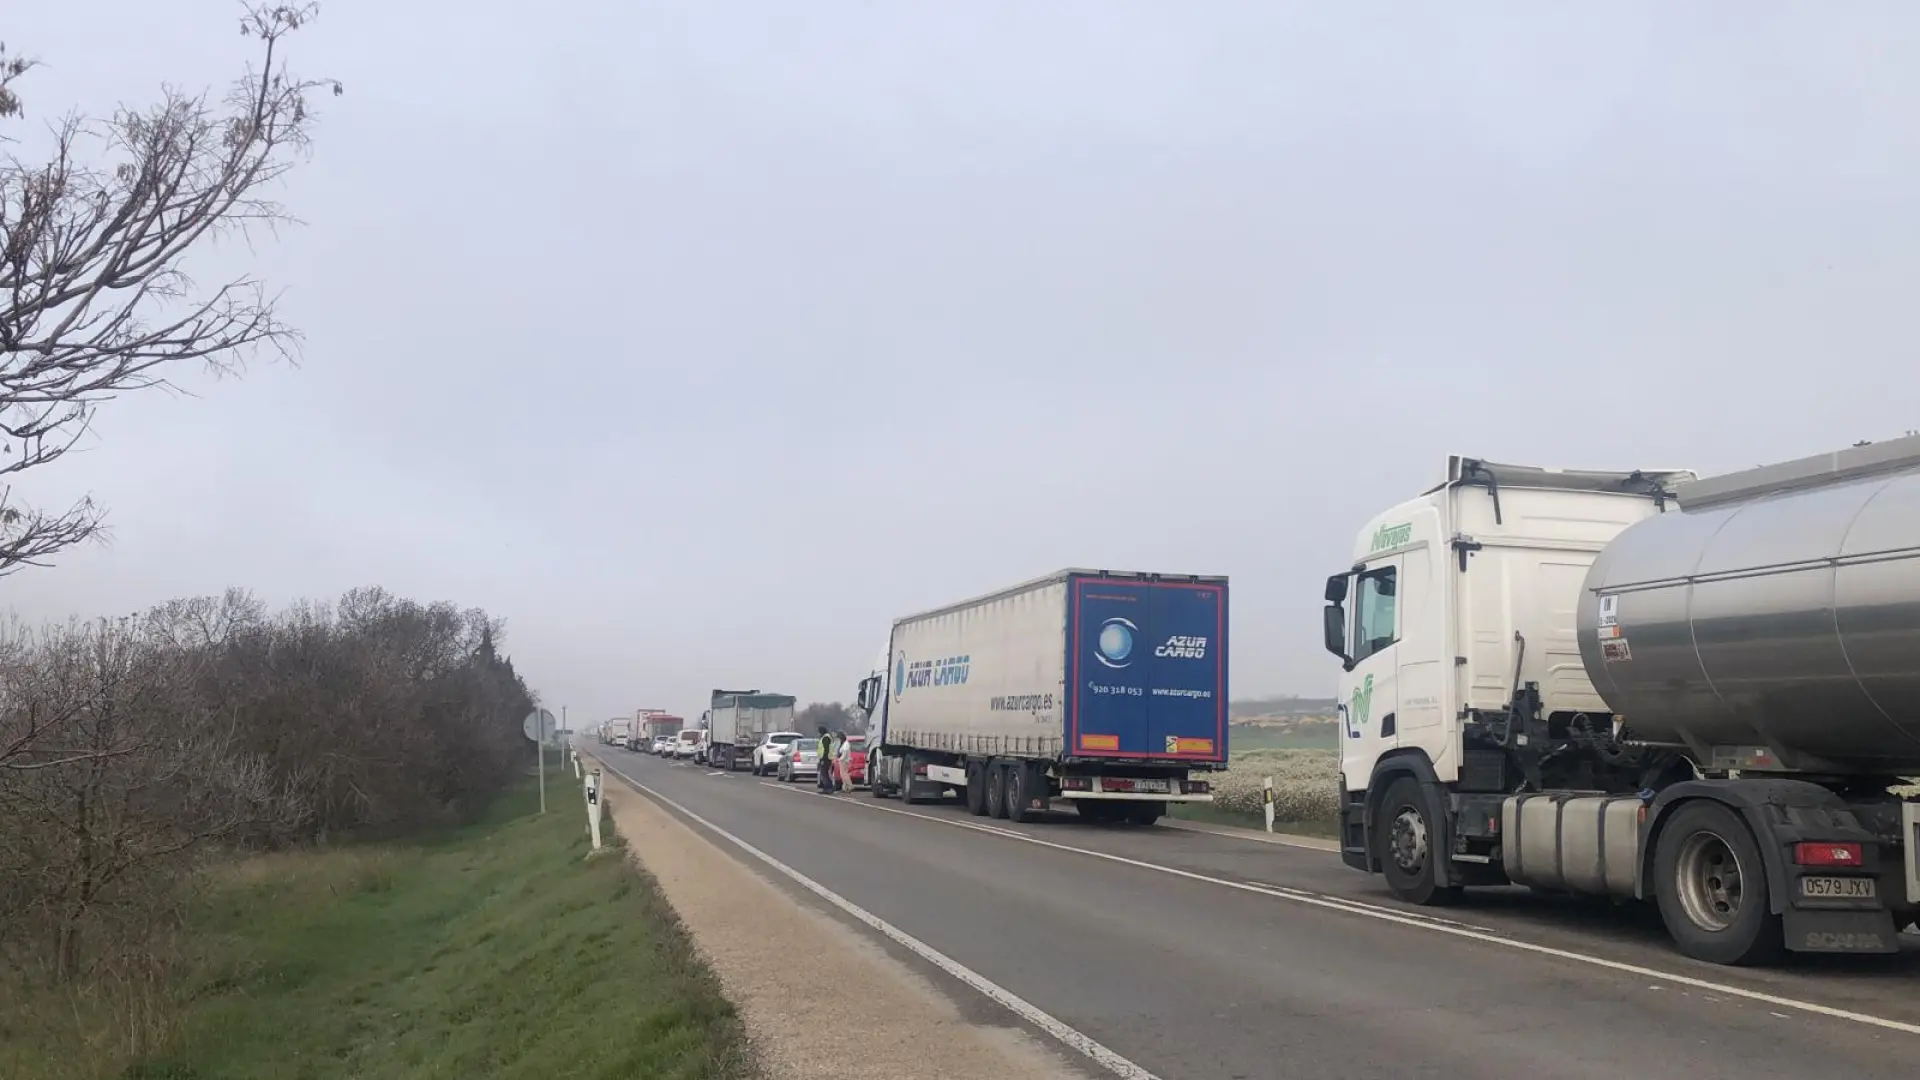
1076 783
1197 787
1809 853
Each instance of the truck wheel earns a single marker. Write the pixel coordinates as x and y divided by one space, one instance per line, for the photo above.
1403 837
1019 793
1712 886
1145 813
996 790
976 789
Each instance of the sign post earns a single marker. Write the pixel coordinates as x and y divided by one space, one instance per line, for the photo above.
1266 801
593 807
539 726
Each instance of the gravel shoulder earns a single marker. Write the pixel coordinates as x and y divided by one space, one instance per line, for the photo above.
851 1014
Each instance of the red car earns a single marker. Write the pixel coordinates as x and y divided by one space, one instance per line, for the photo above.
854 756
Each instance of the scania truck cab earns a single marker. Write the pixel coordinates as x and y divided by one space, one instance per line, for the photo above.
1637 685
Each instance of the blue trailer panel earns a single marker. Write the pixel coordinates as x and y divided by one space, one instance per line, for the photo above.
1147 669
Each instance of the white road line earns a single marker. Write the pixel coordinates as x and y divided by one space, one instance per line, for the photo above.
1304 843
1473 933
1027 1011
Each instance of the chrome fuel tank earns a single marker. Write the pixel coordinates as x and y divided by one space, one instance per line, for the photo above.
1772 623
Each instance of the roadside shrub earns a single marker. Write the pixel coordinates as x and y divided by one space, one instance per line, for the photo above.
1303 784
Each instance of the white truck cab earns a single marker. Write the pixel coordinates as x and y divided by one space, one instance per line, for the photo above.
1455 601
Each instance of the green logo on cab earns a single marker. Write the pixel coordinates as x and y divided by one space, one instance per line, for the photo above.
1392 536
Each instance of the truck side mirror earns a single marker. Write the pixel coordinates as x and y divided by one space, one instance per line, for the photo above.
1337 589
1333 622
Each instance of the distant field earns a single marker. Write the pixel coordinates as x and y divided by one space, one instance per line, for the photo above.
1309 735
1284 705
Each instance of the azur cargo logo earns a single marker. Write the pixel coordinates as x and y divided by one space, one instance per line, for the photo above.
1183 647
946 671
1114 646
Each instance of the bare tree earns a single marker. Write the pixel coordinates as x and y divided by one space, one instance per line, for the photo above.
95 300
208 726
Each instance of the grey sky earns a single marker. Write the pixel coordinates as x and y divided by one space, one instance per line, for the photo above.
699 339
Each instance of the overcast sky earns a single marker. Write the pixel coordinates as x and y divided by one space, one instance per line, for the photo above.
699 339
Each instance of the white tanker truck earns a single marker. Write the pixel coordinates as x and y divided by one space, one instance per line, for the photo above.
1645 686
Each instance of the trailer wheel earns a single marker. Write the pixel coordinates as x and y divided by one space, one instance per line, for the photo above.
1145 813
996 790
1403 837
976 789
1711 882
1019 792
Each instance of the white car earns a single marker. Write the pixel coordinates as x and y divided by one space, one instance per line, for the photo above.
686 743
661 745
766 756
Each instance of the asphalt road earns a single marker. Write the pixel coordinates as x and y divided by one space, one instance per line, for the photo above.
1193 955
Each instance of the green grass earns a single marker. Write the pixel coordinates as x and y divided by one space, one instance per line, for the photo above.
496 951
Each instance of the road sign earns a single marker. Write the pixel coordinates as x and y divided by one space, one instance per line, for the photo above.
539 725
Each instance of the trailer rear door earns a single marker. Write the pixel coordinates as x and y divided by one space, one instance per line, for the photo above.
1147 668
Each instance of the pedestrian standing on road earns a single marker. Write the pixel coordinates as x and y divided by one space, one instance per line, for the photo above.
825 774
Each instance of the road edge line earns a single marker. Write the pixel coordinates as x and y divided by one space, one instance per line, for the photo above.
1056 1028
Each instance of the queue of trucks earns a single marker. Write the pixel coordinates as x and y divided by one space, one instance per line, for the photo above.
1637 686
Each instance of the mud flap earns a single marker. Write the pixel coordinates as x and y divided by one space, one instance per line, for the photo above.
1840 932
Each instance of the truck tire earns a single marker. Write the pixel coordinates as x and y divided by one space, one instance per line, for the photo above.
1019 792
976 789
1145 813
996 790
1711 882
1403 836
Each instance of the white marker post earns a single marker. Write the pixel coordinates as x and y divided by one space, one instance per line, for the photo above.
593 807
575 755
1266 801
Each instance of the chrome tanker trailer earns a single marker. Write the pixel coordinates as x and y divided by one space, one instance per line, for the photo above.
1645 686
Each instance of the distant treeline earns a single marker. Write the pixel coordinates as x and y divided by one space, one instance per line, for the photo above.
1284 705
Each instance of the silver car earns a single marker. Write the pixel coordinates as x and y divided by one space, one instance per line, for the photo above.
803 759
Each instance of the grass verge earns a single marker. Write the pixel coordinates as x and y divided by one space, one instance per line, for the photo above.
499 950
1210 814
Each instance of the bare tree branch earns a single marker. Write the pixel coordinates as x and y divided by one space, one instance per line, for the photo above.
95 300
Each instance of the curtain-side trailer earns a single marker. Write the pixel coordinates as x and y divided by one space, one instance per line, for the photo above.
1103 689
